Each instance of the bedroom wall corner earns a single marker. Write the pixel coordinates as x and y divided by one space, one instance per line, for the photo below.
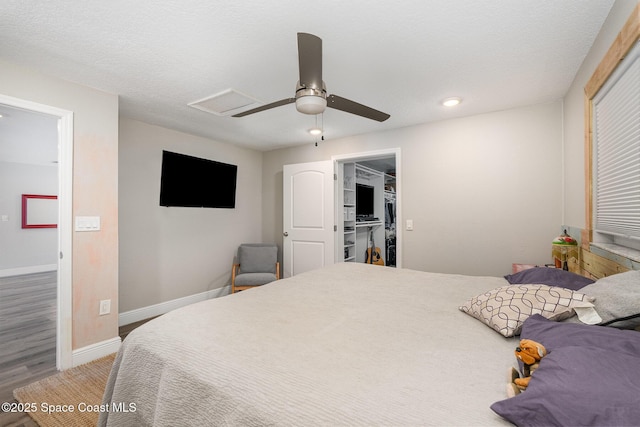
174 254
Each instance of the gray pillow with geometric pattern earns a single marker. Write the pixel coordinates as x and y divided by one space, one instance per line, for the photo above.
506 308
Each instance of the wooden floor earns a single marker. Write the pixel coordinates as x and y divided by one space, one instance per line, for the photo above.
27 334
28 337
126 329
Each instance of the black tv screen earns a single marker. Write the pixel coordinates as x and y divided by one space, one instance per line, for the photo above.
194 182
364 200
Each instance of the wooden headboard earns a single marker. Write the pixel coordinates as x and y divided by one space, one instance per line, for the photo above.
594 266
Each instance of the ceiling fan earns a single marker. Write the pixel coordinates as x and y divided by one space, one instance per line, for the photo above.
311 93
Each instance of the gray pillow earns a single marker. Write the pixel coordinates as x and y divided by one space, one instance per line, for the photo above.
255 258
617 299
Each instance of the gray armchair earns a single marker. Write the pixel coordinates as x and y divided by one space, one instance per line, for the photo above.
257 265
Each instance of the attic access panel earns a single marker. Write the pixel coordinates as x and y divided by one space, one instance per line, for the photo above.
225 103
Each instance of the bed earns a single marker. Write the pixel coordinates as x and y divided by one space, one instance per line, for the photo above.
350 344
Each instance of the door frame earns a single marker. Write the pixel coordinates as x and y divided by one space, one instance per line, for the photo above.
64 350
369 155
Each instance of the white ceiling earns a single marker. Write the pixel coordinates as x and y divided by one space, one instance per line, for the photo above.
28 137
401 57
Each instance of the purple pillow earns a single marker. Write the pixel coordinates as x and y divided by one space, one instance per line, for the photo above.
554 335
578 386
549 276
590 376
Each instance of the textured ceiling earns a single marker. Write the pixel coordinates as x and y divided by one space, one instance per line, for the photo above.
401 57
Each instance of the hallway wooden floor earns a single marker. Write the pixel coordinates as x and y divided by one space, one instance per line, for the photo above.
27 334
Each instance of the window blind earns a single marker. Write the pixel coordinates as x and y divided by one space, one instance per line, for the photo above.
617 151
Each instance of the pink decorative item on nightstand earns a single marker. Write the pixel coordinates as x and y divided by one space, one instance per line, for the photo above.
516 268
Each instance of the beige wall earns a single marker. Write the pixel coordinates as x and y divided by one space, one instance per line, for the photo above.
169 253
483 191
574 191
95 193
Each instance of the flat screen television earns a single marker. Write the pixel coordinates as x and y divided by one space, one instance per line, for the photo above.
364 201
194 182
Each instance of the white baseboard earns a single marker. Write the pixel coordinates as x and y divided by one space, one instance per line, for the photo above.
28 270
143 313
95 351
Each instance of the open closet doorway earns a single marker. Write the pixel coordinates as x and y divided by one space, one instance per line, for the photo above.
315 233
368 208
27 165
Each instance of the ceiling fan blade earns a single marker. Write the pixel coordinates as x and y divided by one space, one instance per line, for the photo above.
310 60
266 107
343 104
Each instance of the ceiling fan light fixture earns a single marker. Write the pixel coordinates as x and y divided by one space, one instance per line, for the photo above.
311 104
315 131
451 102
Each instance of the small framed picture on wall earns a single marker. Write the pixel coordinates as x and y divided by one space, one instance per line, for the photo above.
39 211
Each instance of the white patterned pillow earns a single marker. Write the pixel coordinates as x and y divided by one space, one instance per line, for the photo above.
506 308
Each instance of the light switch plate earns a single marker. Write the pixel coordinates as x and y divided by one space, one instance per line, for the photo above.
409 225
87 223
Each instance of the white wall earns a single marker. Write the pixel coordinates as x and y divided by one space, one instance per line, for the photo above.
574 193
169 253
483 191
25 247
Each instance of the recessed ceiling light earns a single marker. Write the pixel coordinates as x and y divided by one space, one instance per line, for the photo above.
451 102
315 131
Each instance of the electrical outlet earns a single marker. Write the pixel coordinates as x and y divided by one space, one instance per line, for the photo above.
105 307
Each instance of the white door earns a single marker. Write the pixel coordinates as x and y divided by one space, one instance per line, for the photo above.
308 217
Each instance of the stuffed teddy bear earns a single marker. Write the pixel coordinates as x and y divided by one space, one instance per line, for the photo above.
529 352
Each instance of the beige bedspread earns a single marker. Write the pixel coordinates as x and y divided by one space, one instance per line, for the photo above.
351 344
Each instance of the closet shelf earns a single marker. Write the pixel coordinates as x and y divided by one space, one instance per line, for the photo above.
368 224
